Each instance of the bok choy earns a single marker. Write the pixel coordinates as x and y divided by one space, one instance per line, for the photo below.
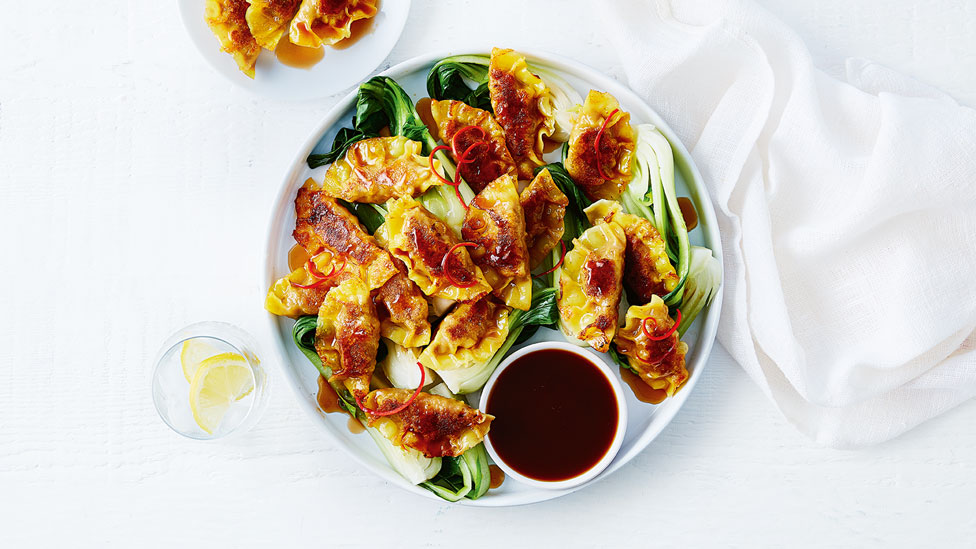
704 279
465 476
448 79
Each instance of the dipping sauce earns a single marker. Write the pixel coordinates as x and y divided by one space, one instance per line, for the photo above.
423 111
297 56
297 256
643 391
688 212
555 415
328 399
497 476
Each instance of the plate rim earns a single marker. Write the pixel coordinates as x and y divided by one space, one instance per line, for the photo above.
593 77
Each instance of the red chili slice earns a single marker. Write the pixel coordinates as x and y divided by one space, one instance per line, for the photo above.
315 284
321 278
447 272
650 334
454 139
558 263
430 161
596 143
402 407
313 270
463 157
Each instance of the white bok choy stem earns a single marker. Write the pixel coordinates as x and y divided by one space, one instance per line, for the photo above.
704 279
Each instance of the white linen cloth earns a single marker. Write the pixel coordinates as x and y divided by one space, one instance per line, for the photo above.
847 211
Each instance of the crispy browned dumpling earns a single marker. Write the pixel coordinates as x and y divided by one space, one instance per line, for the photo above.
323 224
380 168
328 21
617 146
661 364
488 162
544 206
227 20
420 240
348 335
590 285
403 312
523 107
269 19
434 425
647 269
495 222
469 335
286 299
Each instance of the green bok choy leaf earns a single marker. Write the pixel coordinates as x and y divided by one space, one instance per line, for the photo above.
447 80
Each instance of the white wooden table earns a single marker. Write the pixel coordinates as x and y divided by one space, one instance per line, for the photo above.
135 186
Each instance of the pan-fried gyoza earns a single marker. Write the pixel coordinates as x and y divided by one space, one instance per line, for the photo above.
324 225
590 285
468 335
495 223
523 106
378 169
436 426
647 269
601 147
544 206
433 256
348 335
482 139
328 21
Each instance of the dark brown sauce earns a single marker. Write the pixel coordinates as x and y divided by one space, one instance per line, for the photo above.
297 256
358 29
549 145
297 56
643 391
497 476
688 212
355 427
328 399
423 110
555 415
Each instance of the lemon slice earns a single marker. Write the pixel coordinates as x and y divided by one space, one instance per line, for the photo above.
218 382
194 352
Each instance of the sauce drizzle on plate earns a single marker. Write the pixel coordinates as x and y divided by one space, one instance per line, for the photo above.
298 57
643 391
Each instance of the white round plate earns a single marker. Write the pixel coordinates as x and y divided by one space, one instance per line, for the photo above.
645 421
337 71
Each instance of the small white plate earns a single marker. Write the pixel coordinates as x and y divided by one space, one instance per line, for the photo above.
337 71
